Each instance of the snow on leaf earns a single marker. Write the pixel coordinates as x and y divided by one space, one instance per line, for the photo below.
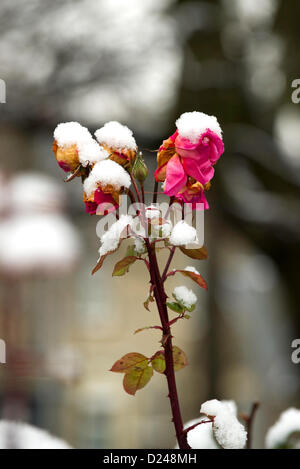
176 307
196 277
137 379
130 361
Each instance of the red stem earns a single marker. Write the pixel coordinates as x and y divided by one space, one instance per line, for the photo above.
160 298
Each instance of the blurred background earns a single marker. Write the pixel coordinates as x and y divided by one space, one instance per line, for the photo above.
144 63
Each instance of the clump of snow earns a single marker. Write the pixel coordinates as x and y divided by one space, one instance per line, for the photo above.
139 245
152 212
184 296
111 238
287 424
201 437
182 234
90 152
192 125
228 431
190 268
116 136
106 172
37 242
17 435
71 133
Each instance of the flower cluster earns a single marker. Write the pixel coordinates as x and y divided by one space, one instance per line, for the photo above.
186 159
103 164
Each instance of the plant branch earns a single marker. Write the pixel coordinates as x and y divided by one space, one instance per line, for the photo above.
165 272
160 298
196 425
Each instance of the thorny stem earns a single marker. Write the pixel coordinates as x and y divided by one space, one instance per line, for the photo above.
160 298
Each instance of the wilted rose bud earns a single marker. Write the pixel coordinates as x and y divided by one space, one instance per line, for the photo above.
118 141
140 170
67 138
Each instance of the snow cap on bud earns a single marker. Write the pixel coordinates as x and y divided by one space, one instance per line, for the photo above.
140 170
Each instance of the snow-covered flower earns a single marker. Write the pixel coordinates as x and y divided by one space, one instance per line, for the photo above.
68 136
18 435
279 435
111 238
185 160
183 234
228 431
90 153
103 186
118 140
185 297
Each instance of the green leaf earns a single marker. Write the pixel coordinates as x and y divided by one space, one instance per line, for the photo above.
130 361
199 254
179 358
158 362
196 277
175 307
137 379
122 266
130 251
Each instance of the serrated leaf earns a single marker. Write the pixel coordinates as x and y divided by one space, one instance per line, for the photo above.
130 361
199 254
176 307
150 299
122 266
158 362
135 380
179 358
195 277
